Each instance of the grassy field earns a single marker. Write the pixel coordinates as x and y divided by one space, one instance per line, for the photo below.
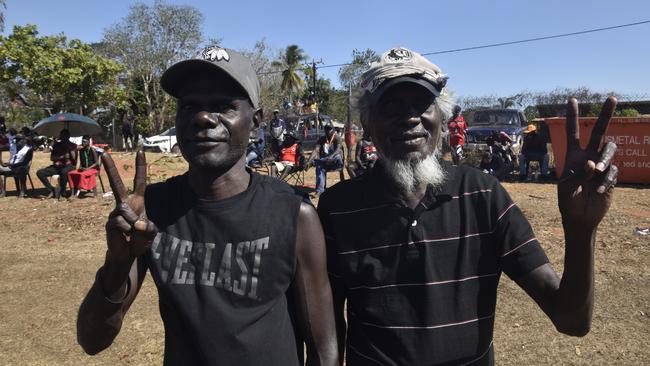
50 250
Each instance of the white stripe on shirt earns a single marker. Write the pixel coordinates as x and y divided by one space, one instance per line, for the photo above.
423 284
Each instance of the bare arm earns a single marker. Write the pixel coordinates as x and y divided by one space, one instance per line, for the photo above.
357 154
312 291
313 154
102 311
95 159
128 235
584 196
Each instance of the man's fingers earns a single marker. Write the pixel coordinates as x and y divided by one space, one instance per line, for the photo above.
606 156
145 226
600 128
590 170
140 180
610 179
119 191
127 213
572 127
118 222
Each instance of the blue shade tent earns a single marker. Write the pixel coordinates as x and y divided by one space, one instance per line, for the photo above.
77 124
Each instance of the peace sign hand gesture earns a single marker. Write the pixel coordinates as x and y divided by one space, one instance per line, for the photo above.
128 231
585 188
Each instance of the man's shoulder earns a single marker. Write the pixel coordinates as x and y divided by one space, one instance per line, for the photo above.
346 194
278 187
160 190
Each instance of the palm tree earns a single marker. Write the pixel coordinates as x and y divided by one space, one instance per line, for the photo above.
290 61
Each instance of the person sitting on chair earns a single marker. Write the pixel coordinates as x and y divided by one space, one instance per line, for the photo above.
330 157
278 130
64 159
17 166
533 149
365 156
255 149
84 178
4 140
288 158
490 165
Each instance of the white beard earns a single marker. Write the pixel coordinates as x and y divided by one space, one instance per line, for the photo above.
409 174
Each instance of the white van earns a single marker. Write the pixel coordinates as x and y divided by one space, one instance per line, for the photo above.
165 142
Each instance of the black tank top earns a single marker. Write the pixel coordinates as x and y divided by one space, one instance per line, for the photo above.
222 269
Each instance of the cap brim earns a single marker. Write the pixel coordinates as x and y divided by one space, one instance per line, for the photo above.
404 79
175 77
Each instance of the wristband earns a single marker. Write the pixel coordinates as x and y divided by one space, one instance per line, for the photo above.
98 279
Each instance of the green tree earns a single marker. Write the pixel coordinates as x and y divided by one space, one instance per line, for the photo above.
270 77
55 74
3 6
147 41
350 75
627 112
291 64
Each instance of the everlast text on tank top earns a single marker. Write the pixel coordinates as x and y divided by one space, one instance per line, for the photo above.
222 269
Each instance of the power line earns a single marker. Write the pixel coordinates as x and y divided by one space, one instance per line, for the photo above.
499 44
536 39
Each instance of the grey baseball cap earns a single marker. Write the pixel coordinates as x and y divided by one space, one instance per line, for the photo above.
214 59
399 65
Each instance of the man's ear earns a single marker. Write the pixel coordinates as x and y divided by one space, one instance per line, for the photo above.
258 115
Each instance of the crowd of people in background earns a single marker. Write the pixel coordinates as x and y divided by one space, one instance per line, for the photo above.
76 166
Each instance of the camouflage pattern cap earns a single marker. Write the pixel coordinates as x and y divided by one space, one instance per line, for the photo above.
403 65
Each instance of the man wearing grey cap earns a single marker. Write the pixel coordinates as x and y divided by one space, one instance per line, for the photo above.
417 246
230 251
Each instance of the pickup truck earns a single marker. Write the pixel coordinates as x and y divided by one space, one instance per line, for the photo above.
488 121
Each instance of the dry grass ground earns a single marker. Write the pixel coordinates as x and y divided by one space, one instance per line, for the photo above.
50 250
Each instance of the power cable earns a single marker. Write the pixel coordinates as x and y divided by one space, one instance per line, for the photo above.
497 44
536 39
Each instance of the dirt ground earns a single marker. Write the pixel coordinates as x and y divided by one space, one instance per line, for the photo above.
50 250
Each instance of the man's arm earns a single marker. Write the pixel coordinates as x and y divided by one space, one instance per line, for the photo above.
339 145
569 301
53 157
102 311
94 165
357 154
313 294
313 154
128 235
584 196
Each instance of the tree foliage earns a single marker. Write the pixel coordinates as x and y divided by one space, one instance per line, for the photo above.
291 64
268 73
147 41
54 74
351 74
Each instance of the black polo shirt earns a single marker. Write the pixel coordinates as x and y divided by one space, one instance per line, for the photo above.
421 284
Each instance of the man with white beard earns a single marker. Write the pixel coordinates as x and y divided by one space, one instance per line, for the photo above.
417 246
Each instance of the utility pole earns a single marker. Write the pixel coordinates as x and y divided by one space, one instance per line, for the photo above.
313 88
348 125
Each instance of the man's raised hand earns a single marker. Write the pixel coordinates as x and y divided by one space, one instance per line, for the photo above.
586 184
128 231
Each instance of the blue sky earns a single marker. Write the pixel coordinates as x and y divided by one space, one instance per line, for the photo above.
329 30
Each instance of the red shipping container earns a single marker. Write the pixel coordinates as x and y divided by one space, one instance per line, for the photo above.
631 135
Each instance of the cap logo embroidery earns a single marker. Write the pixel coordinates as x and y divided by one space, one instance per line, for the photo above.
398 55
215 53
